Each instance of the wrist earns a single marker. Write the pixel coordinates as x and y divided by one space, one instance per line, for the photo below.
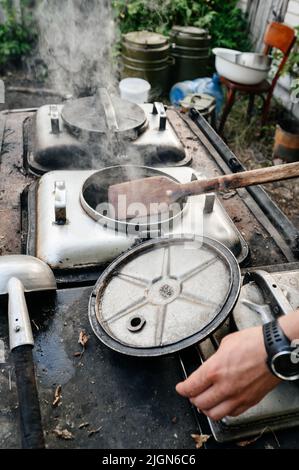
290 325
282 355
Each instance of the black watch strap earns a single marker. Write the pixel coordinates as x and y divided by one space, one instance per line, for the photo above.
275 339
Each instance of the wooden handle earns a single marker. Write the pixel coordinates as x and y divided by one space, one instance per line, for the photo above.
241 180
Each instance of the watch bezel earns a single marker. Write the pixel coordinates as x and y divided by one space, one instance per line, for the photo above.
279 374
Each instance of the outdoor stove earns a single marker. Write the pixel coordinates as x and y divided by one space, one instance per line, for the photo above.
66 231
62 226
89 133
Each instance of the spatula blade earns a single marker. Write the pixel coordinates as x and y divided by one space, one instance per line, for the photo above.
147 196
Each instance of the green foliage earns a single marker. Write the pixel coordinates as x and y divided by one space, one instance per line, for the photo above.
16 38
225 22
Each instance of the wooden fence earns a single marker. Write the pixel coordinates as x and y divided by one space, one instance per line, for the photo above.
262 12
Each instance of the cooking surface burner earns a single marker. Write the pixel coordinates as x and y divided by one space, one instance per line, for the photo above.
103 114
63 233
90 133
94 199
164 295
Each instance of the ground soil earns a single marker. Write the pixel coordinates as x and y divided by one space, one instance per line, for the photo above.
254 146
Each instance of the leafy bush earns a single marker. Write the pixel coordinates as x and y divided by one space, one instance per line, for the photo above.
225 22
16 39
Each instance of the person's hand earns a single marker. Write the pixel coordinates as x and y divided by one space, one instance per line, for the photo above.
235 378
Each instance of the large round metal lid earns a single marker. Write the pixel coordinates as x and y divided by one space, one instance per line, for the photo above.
102 114
189 31
164 295
146 39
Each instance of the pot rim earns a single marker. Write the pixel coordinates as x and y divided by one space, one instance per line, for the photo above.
289 133
122 224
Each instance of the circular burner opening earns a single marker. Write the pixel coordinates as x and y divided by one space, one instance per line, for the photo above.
94 196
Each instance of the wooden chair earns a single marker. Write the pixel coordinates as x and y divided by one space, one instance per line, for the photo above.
278 36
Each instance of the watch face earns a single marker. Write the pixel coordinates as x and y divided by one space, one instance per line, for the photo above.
284 367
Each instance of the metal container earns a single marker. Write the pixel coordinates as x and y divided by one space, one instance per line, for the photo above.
227 66
286 144
254 60
190 52
75 147
146 55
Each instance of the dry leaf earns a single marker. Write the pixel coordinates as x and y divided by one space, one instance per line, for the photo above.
94 431
77 354
64 434
57 396
83 425
83 339
200 439
247 443
268 446
251 441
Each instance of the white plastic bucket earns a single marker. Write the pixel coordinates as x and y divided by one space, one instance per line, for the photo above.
135 90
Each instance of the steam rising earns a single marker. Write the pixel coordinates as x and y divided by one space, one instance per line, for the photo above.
76 38
76 42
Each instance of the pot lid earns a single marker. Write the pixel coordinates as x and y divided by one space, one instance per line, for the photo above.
189 31
164 295
146 39
102 114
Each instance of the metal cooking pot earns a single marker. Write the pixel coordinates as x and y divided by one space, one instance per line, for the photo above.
94 200
254 60
227 66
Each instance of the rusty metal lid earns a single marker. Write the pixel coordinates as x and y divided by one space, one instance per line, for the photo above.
102 114
146 39
164 295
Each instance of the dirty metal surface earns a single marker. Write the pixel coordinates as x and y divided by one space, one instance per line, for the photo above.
107 400
12 182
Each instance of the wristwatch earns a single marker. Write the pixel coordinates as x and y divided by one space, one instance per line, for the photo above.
282 359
